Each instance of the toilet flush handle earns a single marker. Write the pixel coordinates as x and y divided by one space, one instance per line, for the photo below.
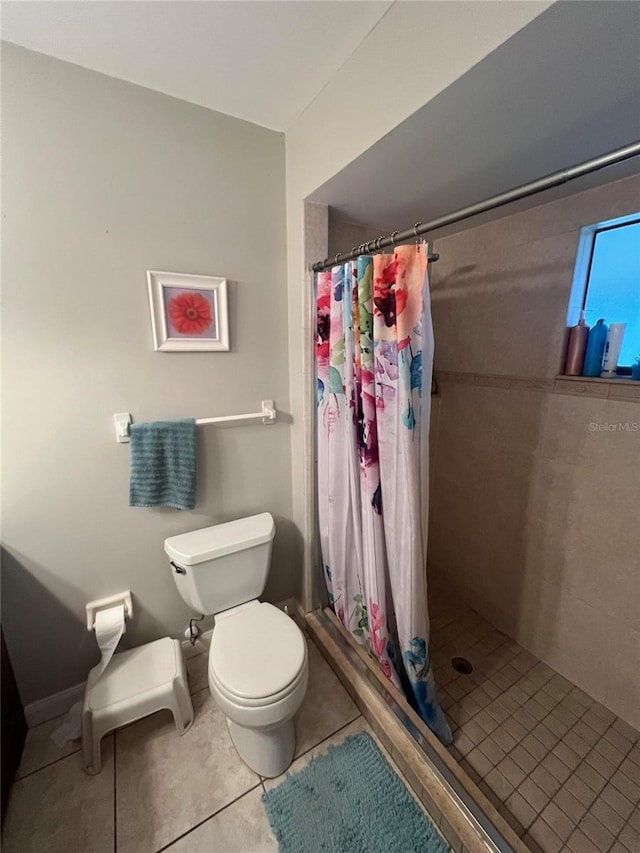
179 569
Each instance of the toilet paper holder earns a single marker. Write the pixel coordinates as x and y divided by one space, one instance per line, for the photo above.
92 607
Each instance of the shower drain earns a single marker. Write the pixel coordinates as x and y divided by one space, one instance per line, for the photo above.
462 665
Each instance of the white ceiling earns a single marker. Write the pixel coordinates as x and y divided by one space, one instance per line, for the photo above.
260 61
563 89
560 91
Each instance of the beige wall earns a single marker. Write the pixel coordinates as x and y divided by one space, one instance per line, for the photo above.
103 180
534 517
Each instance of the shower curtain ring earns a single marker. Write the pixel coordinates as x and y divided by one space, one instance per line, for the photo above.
381 237
393 236
336 258
415 228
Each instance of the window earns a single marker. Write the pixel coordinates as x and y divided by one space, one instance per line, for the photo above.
606 281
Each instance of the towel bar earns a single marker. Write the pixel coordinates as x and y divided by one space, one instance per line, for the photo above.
268 413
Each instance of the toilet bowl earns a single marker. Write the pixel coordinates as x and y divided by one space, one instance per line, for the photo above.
258 668
258 673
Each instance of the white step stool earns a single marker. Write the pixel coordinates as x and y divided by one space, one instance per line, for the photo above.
135 683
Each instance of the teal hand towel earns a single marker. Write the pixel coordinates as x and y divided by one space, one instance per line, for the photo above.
163 464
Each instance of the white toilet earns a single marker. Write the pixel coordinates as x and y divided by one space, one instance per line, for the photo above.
258 666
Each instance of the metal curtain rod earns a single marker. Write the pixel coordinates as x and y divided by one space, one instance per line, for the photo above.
553 180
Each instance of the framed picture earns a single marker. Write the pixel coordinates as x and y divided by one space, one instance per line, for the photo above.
188 312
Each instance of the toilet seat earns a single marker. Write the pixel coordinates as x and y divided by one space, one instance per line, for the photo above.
262 701
258 655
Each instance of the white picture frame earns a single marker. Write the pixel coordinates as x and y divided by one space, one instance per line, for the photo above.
189 313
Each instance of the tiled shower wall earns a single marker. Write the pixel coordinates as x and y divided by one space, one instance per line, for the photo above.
534 510
345 235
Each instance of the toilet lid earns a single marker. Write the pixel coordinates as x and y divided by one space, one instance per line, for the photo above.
257 652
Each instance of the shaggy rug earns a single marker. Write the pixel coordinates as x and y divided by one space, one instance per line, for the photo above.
349 801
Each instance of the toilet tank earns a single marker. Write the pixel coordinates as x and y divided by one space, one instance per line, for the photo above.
219 567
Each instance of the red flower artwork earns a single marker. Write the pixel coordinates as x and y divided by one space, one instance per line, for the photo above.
190 313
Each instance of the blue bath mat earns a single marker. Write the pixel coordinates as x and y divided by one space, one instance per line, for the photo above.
349 801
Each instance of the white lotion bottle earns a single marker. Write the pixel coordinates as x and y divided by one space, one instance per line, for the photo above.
612 350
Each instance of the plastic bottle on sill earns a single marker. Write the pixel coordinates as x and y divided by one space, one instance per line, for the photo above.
576 346
612 350
595 349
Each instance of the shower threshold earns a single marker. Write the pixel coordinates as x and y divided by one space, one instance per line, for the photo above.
464 815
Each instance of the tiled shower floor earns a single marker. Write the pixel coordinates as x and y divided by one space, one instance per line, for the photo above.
562 769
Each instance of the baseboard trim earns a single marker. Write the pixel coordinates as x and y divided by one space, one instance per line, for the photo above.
57 704
53 706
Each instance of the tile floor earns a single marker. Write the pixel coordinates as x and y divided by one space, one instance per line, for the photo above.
158 791
562 769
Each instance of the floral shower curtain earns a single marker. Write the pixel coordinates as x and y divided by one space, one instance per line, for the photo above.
374 357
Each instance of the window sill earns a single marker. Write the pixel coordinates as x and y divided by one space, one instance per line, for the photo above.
614 389
594 386
620 380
